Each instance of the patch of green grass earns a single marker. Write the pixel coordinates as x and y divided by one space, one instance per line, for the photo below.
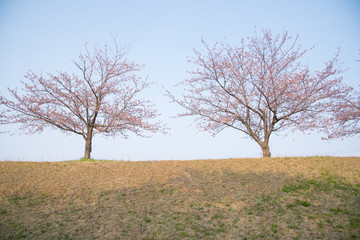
302 185
293 226
296 187
274 228
339 210
355 221
340 226
302 203
20 235
327 182
16 199
185 234
217 215
4 212
338 183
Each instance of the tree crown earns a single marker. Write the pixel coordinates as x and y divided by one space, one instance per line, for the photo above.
104 97
259 87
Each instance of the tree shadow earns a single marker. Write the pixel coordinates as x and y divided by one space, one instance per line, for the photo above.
200 204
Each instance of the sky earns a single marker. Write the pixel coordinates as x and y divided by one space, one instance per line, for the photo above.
47 36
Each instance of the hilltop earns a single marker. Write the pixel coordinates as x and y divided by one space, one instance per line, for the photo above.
275 198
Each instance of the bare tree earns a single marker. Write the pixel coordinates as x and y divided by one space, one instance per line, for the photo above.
258 88
102 99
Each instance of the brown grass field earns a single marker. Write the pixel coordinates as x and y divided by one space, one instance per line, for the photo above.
276 198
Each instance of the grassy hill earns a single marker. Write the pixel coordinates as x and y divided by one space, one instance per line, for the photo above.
278 198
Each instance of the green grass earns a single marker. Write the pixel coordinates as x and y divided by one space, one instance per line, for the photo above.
279 198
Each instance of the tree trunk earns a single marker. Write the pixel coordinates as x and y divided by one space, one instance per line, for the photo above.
266 150
88 144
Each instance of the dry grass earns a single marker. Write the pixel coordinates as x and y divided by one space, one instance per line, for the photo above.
278 198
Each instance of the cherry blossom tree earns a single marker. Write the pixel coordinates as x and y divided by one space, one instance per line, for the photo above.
102 99
258 88
345 121
2 117
345 117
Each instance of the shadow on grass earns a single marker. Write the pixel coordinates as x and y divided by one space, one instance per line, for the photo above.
197 205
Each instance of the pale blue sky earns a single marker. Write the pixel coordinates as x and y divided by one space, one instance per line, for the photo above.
46 36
